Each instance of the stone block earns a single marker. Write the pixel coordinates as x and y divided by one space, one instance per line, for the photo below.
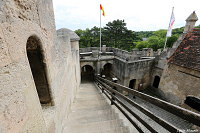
95 53
103 49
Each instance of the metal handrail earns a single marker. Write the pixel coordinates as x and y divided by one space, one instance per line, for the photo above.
159 120
183 113
130 111
107 93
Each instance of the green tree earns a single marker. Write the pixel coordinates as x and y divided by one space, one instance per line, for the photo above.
144 34
141 45
81 34
153 42
171 40
160 33
117 35
95 36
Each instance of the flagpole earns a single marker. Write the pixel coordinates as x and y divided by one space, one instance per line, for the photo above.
100 32
167 31
165 44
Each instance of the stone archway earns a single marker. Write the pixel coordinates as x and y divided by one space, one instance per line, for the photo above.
156 82
38 69
82 64
87 73
107 68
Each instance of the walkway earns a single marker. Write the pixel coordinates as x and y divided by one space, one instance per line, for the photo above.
91 113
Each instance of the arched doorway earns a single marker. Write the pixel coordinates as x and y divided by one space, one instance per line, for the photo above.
132 84
38 68
156 81
87 72
107 70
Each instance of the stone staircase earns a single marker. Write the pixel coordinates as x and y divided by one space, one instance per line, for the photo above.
92 113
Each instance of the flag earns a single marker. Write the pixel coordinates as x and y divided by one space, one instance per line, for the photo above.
172 20
103 12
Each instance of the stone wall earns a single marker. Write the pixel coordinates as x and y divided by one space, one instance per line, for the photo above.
20 108
123 54
119 68
139 70
96 65
178 82
125 65
67 80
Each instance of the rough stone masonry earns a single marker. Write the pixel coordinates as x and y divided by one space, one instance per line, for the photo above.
29 48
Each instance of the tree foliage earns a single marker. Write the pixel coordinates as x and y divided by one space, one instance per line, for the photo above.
116 34
140 45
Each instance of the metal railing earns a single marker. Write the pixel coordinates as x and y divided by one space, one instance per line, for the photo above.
115 95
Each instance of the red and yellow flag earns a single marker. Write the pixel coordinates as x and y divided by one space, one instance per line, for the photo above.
103 12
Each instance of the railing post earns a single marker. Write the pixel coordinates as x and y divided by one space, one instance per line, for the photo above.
103 76
115 81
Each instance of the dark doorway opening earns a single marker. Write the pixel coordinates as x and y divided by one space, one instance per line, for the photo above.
107 70
193 102
87 73
156 81
38 68
132 84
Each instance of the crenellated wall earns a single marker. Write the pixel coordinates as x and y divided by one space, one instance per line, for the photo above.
123 54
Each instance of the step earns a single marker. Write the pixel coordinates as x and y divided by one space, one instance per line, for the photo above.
90 119
86 113
104 116
89 102
88 92
93 96
84 99
90 106
96 126
115 130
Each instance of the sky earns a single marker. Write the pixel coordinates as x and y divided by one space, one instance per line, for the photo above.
139 15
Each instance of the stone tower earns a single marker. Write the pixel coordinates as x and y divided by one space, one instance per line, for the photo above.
190 22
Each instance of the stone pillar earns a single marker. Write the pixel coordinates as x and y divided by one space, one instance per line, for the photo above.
103 49
98 67
150 52
95 53
74 43
190 22
159 51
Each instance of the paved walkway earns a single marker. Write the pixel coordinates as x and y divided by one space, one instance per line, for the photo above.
91 113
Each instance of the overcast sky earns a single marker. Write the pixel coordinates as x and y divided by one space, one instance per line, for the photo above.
140 15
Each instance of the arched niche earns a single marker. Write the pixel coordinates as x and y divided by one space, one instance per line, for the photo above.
38 68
